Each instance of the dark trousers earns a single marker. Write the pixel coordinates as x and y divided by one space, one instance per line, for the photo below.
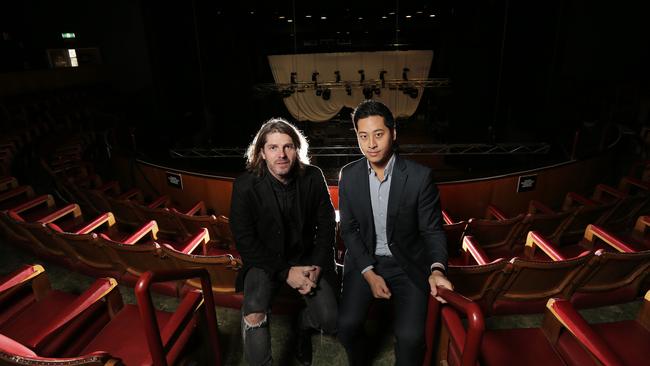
410 312
259 290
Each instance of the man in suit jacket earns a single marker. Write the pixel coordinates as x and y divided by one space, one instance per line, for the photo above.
282 219
391 225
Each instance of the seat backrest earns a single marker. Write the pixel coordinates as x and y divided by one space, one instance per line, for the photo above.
97 199
584 216
195 223
135 258
454 234
168 223
478 283
550 226
611 277
87 250
624 212
125 212
495 234
15 353
531 283
42 240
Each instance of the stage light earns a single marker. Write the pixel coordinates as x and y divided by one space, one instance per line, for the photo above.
294 76
362 76
326 94
367 92
338 76
319 92
383 78
405 72
377 91
348 89
314 77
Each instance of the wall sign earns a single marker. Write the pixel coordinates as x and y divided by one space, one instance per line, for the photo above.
526 183
175 180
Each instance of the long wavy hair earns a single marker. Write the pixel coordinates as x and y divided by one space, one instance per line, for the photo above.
254 161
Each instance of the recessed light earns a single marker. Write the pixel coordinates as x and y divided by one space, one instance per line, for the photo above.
384 17
432 15
323 18
252 13
289 20
408 17
418 12
391 13
281 17
360 18
307 16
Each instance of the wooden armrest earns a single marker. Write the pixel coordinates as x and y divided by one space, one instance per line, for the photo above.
627 182
26 190
45 199
131 194
113 186
160 202
200 238
494 212
106 218
535 239
22 275
570 319
96 292
642 224
149 228
611 240
472 248
535 206
573 197
602 189
199 209
446 218
8 183
72 208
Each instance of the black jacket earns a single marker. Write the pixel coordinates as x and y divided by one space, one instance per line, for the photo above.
257 225
413 226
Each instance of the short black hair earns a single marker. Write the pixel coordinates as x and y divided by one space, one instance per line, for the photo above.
371 107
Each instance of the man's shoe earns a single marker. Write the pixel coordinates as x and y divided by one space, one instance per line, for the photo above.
304 349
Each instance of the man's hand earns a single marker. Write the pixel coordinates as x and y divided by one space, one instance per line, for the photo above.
437 278
377 285
313 274
298 278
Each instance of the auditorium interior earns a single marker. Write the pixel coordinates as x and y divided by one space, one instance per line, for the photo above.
124 124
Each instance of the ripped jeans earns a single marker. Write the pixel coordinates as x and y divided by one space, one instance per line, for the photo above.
259 290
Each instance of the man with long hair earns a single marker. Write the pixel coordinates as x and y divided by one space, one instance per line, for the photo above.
391 225
283 222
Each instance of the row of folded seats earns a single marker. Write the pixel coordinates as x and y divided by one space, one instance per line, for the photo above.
588 253
43 326
102 246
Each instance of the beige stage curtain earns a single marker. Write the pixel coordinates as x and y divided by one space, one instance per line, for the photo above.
306 106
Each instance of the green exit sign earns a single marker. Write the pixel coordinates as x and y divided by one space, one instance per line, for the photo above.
67 35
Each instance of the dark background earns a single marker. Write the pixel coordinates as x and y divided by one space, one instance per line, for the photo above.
520 70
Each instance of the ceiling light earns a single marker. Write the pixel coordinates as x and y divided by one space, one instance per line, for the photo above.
419 12
289 20
281 17
384 17
408 17
307 16
323 17
391 13
432 15
360 18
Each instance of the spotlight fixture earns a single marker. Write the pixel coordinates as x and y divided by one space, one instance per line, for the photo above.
338 76
362 76
314 77
367 92
294 76
327 93
377 91
348 89
405 72
383 78
319 92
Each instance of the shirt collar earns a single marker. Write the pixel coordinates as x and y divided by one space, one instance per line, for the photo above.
389 167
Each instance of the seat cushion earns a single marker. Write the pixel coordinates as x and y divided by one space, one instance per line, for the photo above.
627 339
29 321
124 337
523 346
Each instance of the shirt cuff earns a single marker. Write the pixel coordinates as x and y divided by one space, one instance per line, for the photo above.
439 266
367 269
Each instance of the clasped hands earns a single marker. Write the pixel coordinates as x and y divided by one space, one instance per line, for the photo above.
303 278
381 291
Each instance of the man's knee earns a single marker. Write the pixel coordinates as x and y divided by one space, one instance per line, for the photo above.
255 320
409 338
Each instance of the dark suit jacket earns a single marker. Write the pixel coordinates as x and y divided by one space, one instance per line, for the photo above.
413 226
257 226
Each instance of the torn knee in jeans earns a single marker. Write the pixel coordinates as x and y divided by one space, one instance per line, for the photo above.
255 320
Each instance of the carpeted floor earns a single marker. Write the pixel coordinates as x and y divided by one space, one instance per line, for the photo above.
327 351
